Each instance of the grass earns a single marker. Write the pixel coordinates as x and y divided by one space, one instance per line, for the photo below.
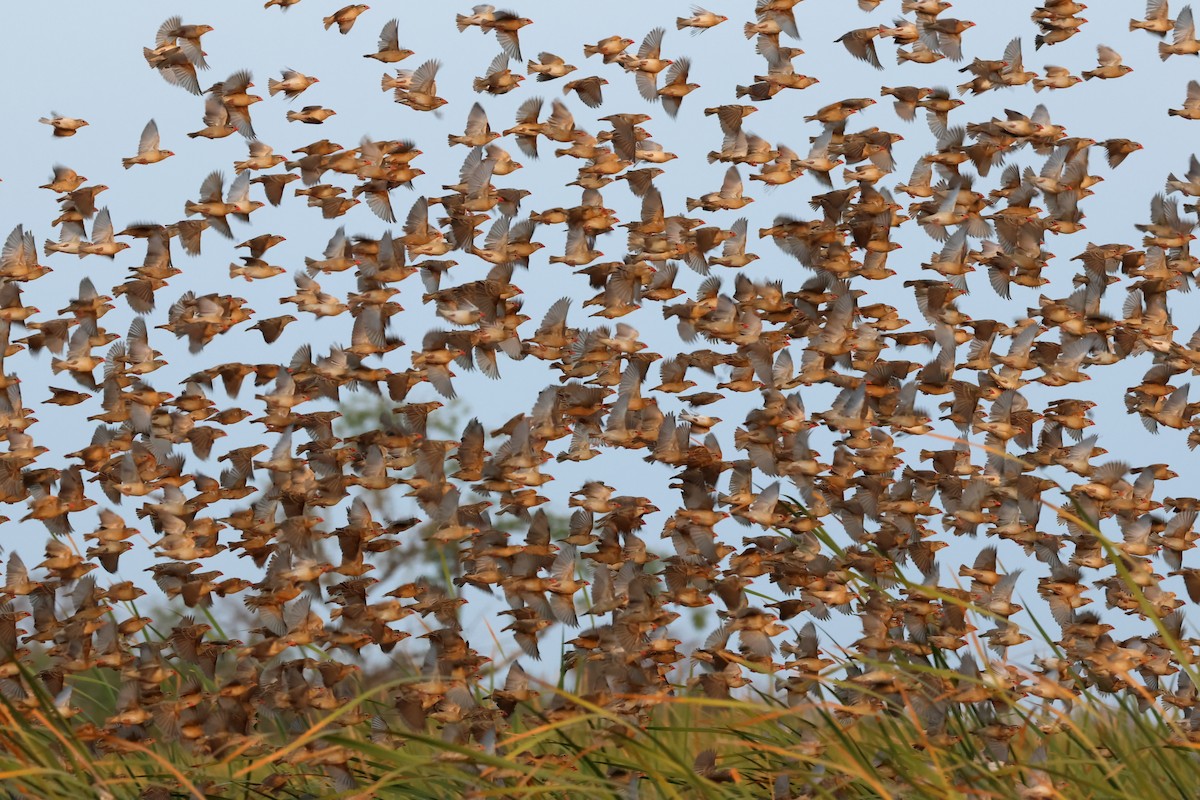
887 729
762 749
897 728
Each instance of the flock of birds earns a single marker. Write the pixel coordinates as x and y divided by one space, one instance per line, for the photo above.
831 326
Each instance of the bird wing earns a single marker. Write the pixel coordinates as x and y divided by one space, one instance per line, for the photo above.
861 45
498 65
239 189
424 79
102 228
149 140
652 44
647 85
389 36
1185 28
731 187
1107 56
211 188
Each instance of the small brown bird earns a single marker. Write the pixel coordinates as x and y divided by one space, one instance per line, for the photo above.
1056 78
944 35
498 79
292 84
103 242
234 96
505 24
1118 149
729 196
186 37
700 20
1157 20
345 17
478 131
1191 104
63 126
65 180
1183 38
588 89
272 328
676 86
609 49
860 43
148 148
311 115
389 50
214 209
549 67
262 156
646 65
1110 65
217 122
421 95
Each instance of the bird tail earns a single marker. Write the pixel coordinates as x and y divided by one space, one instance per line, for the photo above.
713 156
1133 25
1038 41
590 50
48 247
742 91
329 21
193 135
479 84
273 85
462 22
127 162
235 271
692 204
1088 75
57 365
750 30
1174 112
1037 87
680 23
1164 50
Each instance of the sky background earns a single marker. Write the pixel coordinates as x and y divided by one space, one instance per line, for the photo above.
85 60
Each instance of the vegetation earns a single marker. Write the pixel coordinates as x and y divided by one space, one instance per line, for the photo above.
897 727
